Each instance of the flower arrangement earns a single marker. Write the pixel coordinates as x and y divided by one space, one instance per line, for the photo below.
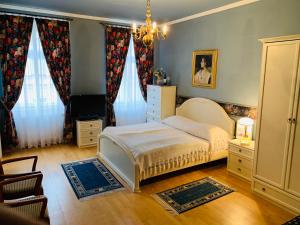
160 77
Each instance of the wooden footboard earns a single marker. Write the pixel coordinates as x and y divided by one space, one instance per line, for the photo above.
120 162
124 165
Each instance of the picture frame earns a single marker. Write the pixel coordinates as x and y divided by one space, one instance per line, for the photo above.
204 68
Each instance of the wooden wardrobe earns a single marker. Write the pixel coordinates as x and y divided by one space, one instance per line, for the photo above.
276 174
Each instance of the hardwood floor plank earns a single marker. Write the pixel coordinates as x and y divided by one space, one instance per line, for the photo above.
241 207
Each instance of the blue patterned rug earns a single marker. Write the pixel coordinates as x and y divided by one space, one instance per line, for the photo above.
295 221
90 177
185 197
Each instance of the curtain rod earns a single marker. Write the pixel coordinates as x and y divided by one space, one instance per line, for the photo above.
115 25
34 16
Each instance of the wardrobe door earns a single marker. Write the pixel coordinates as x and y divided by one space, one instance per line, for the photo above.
293 177
276 108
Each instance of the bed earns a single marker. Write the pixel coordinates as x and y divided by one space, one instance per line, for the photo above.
197 134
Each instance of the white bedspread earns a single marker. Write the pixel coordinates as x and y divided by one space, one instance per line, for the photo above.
158 146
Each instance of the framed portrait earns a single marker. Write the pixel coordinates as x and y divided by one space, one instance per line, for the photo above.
204 68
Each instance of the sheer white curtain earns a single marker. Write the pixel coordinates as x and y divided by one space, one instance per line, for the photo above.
39 112
130 106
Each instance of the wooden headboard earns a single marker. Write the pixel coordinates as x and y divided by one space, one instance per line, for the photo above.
206 111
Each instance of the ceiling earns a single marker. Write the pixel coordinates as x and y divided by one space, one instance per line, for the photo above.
162 10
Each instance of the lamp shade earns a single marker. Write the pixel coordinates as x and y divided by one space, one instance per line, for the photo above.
244 128
246 121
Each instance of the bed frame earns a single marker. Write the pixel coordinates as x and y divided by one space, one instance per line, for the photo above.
197 109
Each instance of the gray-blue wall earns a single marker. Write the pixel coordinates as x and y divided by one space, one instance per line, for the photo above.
87 57
235 34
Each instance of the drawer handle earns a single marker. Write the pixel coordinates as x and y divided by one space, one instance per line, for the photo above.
263 189
239 169
91 133
91 139
91 125
240 150
240 160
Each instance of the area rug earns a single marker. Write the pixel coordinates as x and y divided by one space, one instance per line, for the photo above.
188 196
295 221
90 177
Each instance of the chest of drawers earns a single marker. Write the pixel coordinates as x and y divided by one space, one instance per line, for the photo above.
240 159
87 132
160 102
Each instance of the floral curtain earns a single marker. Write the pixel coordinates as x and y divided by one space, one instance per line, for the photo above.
117 43
55 39
15 32
144 62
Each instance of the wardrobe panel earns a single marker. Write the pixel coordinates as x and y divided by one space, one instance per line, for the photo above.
277 99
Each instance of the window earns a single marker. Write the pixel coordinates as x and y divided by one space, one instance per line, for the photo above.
130 106
39 112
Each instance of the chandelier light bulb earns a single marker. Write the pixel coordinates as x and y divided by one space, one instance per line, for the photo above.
154 25
165 30
134 28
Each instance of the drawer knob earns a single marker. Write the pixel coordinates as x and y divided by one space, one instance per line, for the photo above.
240 150
91 125
263 189
91 139
239 169
240 160
91 133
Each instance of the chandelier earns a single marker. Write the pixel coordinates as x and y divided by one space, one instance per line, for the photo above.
148 32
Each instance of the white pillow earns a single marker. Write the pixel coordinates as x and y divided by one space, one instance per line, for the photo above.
216 136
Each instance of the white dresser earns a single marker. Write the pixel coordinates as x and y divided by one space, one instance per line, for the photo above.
240 159
87 132
277 151
160 102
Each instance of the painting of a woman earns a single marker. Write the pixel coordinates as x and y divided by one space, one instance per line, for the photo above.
204 68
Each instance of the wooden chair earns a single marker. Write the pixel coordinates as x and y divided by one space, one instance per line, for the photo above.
34 157
20 185
34 207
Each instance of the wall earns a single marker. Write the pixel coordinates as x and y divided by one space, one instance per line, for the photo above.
87 57
235 34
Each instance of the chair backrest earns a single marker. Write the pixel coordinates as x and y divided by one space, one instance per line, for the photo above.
34 207
22 186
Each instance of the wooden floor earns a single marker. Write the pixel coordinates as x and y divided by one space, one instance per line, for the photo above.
127 208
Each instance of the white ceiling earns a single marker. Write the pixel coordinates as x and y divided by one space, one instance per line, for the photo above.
162 10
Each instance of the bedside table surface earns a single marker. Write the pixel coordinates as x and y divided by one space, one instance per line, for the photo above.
237 142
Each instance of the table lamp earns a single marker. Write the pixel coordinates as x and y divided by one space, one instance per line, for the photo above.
244 130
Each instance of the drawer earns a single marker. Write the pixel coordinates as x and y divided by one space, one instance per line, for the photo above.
240 161
88 140
283 198
242 151
89 133
153 99
153 111
153 105
153 88
151 118
239 170
96 124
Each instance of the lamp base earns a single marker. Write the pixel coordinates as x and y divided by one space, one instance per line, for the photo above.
245 142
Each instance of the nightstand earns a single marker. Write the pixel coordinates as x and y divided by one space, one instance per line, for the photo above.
240 159
87 132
